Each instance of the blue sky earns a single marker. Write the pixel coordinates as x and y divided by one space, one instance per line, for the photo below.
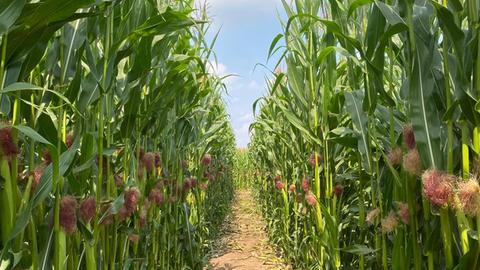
247 30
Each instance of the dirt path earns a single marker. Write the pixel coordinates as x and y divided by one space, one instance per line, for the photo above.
243 244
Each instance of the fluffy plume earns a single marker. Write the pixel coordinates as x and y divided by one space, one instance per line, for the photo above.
469 197
372 216
37 175
204 186
133 237
305 184
409 137
69 139
389 223
148 161
311 199
8 147
131 196
412 163
118 180
315 159
156 196
206 159
47 157
279 185
338 190
395 156
68 216
437 187
88 209
403 213
291 188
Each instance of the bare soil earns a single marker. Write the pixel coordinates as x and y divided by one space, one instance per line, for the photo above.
243 244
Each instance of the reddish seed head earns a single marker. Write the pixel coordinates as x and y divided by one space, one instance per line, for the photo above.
88 209
8 147
143 218
395 156
118 180
279 185
186 185
310 199
206 159
156 196
389 223
412 163
315 159
37 175
305 184
277 178
131 196
372 216
291 188
337 190
437 187
68 217
148 161
142 153
69 139
123 213
403 213
133 237
409 136
469 197
193 182
184 164
204 186
47 158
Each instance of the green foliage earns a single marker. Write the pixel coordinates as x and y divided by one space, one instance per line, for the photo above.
356 72
109 100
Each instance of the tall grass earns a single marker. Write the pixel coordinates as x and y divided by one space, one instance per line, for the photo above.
367 143
115 147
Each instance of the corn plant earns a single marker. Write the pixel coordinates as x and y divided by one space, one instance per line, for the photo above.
367 143
114 140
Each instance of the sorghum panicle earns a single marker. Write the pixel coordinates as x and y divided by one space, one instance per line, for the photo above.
68 216
437 187
469 197
88 209
395 156
8 147
389 223
409 137
412 162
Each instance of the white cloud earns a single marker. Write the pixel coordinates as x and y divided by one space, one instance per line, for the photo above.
218 69
241 124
